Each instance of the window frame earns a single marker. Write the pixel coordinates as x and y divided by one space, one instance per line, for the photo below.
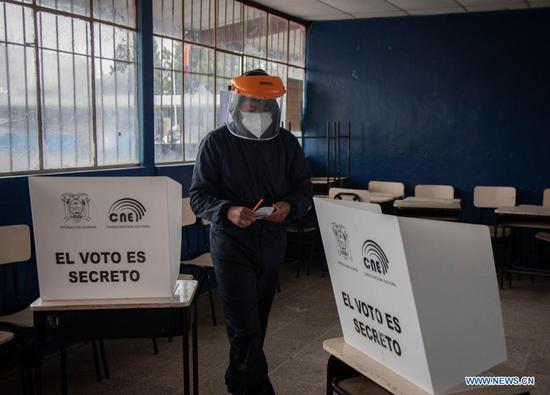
145 154
242 54
36 8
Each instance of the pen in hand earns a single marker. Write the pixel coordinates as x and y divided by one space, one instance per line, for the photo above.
258 204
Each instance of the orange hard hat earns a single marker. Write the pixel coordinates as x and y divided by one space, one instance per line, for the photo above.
258 86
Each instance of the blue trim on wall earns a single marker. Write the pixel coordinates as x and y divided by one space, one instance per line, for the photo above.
14 192
144 15
454 99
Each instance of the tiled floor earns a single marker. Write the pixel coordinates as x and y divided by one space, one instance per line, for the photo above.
303 315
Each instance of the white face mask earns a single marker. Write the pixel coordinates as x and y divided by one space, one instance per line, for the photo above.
257 122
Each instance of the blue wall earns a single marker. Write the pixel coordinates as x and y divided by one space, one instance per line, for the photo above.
454 99
14 192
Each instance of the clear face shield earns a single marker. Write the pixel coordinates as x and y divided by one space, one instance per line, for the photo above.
253 111
253 119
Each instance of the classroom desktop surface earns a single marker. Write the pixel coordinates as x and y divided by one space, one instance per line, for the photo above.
183 295
525 209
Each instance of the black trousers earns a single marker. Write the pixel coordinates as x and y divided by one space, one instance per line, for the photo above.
246 272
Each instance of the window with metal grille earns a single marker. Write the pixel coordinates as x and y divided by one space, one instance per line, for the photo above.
209 42
68 92
68 89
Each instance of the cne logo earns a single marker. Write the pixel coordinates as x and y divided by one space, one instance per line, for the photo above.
126 210
374 258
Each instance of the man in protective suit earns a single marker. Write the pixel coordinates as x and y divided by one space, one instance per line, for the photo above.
248 159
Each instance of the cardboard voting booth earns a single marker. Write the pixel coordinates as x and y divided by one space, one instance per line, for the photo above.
418 296
106 237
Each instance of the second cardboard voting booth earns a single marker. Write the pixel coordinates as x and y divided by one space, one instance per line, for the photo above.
106 237
418 296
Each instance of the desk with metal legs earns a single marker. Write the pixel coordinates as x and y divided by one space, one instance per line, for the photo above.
385 200
63 321
524 216
429 208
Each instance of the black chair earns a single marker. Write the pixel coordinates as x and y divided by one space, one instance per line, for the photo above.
7 338
302 227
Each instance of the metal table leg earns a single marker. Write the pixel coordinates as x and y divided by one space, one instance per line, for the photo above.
96 361
38 368
64 385
195 350
185 342
37 353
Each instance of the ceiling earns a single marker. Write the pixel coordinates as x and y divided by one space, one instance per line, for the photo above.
319 10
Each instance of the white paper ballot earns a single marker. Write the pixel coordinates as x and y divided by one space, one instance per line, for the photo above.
263 212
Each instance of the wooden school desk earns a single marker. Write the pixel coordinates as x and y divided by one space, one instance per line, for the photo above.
429 208
63 321
323 184
385 200
328 180
383 197
378 379
523 216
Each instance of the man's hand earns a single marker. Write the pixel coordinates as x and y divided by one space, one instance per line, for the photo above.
241 216
282 209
